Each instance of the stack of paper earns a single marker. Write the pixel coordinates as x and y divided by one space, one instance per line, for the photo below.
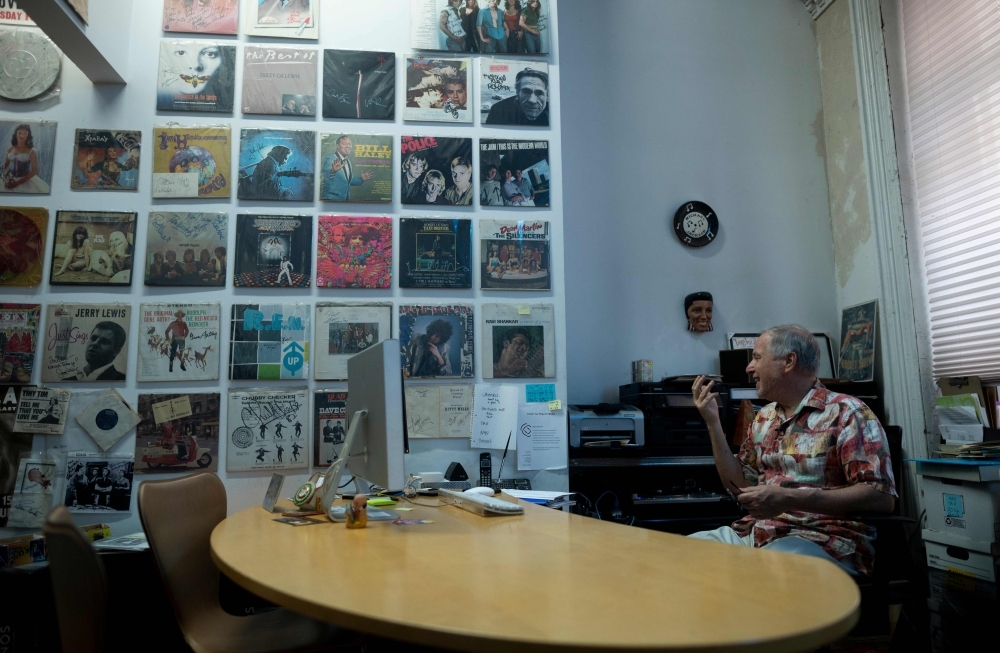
961 418
976 450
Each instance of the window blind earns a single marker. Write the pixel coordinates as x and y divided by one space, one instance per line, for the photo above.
952 61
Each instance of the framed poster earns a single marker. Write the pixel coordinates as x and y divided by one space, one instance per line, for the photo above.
858 328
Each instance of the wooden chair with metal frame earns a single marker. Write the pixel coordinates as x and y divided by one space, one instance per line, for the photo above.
79 584
178 516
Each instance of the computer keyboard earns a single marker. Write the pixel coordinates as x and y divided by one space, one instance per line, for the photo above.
512 484
480 504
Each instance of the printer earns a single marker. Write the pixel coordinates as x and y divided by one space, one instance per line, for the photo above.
590 428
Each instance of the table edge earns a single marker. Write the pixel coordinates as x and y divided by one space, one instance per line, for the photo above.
461 640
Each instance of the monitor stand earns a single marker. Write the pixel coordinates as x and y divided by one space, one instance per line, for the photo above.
358 428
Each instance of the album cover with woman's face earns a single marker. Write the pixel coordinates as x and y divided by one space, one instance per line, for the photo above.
29 150
196 76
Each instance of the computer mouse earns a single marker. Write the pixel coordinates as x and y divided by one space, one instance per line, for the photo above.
488 491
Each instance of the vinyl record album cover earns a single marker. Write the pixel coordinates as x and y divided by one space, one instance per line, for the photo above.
201 16
15 446
436 341
345 329
30 64
22 245
107 419
268 429
435 253
280 81
518 341
273 251
286 19
355 168
85 342
178 432
32 496
445 25
191 162
10 396
514 255
354 252
98 482
330 426
436 170
29 151
180 341
93 248
186 249
105 160
42 410
18 339
437 90
514 92
359 85
277 164
196 76
269 341
439 411
514 173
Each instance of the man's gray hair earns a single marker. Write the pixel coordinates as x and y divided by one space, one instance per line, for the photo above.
794 339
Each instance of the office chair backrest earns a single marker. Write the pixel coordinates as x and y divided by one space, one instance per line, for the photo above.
894 435
78 582
178 516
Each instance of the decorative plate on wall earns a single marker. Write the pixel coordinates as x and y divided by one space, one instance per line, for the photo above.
696 224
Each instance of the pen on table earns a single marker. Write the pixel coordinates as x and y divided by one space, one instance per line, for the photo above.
500 473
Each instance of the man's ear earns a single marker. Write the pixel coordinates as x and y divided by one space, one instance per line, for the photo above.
791 360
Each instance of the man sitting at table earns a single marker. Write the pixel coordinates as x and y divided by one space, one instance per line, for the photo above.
811 458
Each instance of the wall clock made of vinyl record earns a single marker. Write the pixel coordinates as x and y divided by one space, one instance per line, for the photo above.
696 224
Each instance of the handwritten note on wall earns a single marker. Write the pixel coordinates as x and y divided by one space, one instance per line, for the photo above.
494 416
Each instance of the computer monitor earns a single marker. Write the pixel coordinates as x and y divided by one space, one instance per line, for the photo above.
376 439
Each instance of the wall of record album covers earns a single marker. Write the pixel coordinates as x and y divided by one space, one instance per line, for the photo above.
218 236
729 114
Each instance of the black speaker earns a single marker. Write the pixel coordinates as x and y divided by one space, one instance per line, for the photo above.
733 365
456 473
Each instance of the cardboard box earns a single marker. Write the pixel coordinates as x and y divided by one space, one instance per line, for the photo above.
95 532
961 561
22 550
964 508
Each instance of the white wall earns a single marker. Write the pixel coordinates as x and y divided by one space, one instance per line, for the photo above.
370 25
674 100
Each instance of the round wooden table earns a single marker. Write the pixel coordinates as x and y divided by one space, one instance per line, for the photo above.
544 581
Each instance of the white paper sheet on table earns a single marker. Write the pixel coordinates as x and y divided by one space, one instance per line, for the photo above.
541 437
494 416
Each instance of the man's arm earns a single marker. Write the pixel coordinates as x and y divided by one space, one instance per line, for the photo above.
729 468
767 501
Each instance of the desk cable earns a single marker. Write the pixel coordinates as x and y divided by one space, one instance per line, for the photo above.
597 503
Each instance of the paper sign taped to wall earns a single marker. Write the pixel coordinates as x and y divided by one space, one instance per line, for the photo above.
535 393
494 416
541 438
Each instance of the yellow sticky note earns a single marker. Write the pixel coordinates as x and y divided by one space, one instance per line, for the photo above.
524 310
404 509
381 501
555 404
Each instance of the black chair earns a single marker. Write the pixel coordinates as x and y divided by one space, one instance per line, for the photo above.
889 581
